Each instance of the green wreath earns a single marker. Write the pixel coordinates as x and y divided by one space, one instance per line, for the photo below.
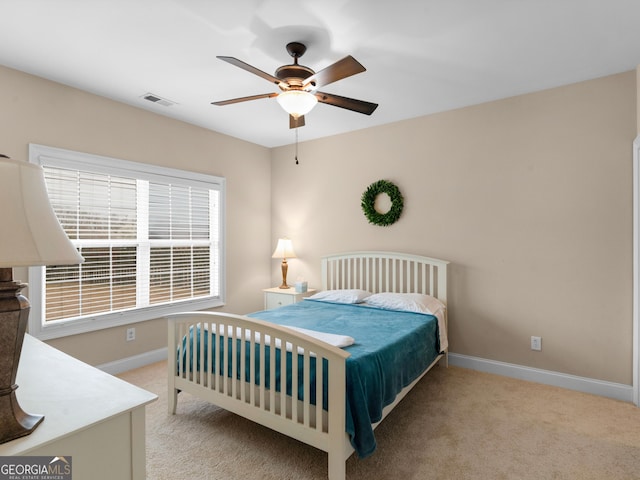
369 199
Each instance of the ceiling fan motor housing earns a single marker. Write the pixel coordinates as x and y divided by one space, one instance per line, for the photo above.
294 74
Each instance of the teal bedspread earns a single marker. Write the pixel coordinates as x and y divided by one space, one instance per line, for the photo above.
391 350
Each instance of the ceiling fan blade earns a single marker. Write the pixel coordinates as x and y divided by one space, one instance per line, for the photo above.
296 122
244 99
341 69
359 106
251 69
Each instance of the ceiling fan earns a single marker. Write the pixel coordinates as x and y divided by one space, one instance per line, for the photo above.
299 84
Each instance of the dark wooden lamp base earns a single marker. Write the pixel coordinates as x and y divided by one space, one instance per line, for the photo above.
14 315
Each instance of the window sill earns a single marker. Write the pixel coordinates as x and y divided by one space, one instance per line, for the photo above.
110 320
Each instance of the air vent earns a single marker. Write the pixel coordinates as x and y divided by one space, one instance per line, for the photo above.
159 100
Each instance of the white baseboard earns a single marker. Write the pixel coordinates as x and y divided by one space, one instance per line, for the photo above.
616 391
136 361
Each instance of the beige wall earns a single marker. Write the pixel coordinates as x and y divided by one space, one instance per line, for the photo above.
38 111
530 198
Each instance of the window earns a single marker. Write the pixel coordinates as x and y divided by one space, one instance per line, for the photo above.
151 237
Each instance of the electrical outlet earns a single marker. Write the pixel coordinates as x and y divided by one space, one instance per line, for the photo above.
131 334
536 343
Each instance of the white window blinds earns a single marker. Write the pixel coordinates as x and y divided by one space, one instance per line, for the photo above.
147 239
98 213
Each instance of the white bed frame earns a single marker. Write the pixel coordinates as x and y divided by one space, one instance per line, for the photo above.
372 271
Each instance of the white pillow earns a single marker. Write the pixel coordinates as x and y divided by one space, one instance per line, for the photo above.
352 295
408 302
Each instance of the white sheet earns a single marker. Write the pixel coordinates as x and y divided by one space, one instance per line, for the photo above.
340 341
442 330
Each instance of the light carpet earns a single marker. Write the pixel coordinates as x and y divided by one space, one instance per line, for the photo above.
455 424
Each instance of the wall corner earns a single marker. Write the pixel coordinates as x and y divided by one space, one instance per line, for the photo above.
638 99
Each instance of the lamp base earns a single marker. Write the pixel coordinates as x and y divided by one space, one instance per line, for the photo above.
285 267
14 315
15 422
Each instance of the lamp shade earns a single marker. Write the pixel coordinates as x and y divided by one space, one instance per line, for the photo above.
284 249
297 102
31 234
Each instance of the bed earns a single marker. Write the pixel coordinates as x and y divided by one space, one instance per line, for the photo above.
316 370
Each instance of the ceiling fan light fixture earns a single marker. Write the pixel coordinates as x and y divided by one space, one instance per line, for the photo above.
297 102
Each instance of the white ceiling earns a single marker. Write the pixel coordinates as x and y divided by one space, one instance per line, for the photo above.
422 56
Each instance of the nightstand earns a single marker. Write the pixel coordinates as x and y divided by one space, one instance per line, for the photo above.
278 297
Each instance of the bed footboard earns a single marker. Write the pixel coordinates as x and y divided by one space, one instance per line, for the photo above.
254 369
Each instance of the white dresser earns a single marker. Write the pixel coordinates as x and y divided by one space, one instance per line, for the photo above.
93 417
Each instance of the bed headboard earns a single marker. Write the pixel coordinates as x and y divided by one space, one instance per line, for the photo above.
385 272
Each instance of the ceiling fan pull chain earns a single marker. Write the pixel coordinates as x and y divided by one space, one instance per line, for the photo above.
296 146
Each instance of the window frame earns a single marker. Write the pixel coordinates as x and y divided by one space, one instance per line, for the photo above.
44 155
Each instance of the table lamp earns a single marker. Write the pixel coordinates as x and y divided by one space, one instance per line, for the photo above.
284 250
30 236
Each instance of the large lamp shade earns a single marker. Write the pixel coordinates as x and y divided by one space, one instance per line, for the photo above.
30 235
